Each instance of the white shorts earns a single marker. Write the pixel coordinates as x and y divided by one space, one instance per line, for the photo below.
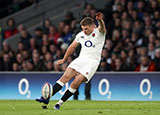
86 67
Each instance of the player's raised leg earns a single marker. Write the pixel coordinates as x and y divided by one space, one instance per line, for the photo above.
72 89
69 74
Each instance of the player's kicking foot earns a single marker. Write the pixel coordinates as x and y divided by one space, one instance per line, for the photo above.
57 106
45 101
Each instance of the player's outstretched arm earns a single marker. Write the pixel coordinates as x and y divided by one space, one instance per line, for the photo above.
102 27
69 51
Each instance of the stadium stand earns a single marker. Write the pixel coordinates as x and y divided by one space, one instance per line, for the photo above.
132 42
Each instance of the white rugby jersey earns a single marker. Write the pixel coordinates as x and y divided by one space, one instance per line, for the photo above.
91 45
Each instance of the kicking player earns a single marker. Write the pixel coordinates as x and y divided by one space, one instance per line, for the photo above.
82 68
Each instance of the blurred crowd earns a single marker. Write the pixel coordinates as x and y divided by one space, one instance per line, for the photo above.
132 41
8 7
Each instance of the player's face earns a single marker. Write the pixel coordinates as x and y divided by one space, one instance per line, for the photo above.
88 29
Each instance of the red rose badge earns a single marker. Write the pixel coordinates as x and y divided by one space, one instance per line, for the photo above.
93 34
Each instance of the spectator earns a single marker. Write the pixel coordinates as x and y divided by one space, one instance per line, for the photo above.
64 47
25 54
114 56
21 47
45 40
6 47
19 60
148 23
124 56
157 43
20 28
38 63
25 38
67 34
157 59
58 54
49 66
46 24
146 65
24 66
130 6
158 34
151 51
143 51
6 64
141 9
117 24
53 49
11 30
48 57
38 36
156 16
131 60
104 66
29 65
33 44
109 46
138 27
105 54
61 27
44 50
119 65
153 6
15 67
53 35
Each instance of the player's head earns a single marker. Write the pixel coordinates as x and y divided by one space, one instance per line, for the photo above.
87 25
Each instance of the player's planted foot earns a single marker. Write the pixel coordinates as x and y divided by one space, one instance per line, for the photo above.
44 107
42 100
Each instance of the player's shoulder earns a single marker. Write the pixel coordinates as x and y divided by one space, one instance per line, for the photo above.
79 34
98 32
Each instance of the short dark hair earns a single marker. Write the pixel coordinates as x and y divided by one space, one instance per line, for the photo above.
86 21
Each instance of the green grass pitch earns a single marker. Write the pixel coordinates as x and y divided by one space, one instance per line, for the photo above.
30 107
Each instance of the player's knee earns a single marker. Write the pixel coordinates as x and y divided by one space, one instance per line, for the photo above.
74 85
67 77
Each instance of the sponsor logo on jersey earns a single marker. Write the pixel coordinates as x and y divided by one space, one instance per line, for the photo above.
82 37
88 43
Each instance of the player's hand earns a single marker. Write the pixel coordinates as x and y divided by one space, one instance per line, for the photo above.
99 16
61 61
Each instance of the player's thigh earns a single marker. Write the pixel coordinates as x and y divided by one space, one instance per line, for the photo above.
68 74
78 80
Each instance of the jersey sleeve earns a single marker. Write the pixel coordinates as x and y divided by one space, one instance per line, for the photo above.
101 34
77 38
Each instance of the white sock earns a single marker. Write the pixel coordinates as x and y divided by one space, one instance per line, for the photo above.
72 90
60 102
60 83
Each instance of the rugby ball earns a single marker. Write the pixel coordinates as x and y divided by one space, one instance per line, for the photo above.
47 90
